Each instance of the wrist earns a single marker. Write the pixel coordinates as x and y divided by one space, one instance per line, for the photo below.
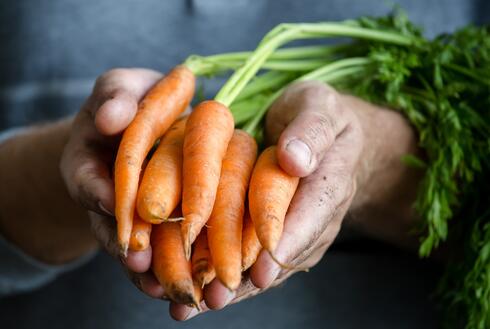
36 213
386 188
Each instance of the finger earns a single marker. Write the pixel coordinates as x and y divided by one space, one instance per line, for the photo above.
217 296
181 312
116 95
248 290
151 286
104 229
319 198
147 283
138 261
85 167
319 119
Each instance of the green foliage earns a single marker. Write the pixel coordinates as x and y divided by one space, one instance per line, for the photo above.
443 88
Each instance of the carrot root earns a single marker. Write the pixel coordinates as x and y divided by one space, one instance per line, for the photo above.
203 270
271 191
251 246
160 107
208 131
226 220
161 185
169 265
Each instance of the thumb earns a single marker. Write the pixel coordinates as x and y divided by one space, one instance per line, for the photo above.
320 118
116 95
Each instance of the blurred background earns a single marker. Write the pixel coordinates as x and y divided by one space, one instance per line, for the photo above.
53 50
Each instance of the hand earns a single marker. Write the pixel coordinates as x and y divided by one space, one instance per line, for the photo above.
89 154
320 139
348 153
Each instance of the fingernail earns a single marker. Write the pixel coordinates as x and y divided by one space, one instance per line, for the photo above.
194 311
275 273
300 151
230 295
104 209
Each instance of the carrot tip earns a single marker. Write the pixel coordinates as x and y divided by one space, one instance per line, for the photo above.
187 247
188 242
123 250
140 243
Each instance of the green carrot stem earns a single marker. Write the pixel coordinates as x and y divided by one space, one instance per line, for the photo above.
244 110
288 32
340 64
468 73
327 74
268 80
242 76
303 52
280 65
216 64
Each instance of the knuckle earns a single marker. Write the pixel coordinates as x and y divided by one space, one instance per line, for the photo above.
108 84
321 128
115 73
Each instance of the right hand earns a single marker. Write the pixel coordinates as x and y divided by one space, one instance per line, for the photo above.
88 157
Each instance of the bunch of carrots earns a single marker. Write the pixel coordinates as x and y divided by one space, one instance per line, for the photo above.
189 200
194 187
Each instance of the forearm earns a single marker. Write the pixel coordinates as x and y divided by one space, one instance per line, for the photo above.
387 188
36 212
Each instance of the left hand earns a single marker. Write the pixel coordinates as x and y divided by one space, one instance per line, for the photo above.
319 137
88 156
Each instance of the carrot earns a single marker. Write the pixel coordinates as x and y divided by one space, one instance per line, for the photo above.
225 223
199 294
169 264
207 134
140 234
161 187
270 193
156 112
202 267
251 246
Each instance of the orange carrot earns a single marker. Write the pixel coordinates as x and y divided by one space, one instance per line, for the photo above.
207 134
198 293
161 187
269 196
157 111
140 234
202 267
169 264
251 246
225 222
